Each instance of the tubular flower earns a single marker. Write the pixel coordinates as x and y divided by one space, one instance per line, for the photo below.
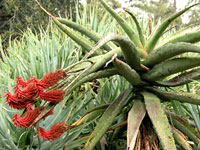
29 117
54 133
27 92
53 96
52 78
21 82
14 102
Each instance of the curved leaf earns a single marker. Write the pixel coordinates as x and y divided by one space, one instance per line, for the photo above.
77 143
135 117
130 52
90 115
129 31
181 79
79 39
168 51
182 124
192 37
159 32
178 96
189 35
125 70
107 119
91 69
170 67
181 139
159 120
141 36
82 29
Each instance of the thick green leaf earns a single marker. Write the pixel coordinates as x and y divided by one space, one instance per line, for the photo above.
129 31
181 79
159 32
170 67
135 117
76 143
192 37
181 139
130 52
189 30
168 51
79 39
90 115
182 124
82 29
107 119
91 69
178 96
141 36
159 121
125 70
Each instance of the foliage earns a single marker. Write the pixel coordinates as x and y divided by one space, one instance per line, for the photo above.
145 68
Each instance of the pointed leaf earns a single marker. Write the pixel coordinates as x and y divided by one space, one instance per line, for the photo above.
130 52
129 31
141 36
91 69
170 67
168 51
181 139
159 32
159 121
189 35
90 115
135 117
125 70
178 96
77 143
192 37
79 39
107 119
181 79
82 29
182 124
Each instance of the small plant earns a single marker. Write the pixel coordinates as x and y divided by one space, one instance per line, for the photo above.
148 65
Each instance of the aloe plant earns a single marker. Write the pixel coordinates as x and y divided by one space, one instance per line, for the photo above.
147 68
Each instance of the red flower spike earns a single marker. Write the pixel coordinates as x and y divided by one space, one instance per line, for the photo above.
29 107
11 97
21 82
17 103
33 80
26 93
52 78
54 133
53 96
28 119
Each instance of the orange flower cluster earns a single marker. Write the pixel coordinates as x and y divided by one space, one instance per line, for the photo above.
27 92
